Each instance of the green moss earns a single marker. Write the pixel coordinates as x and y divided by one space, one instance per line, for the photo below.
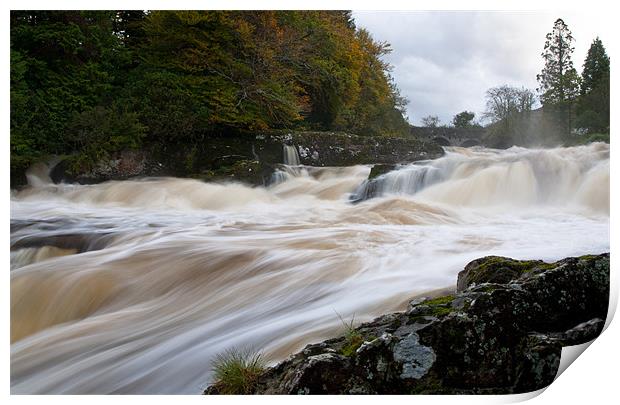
502 270
353 338
588 257
440 306
443 300
436 307
352 343
440 311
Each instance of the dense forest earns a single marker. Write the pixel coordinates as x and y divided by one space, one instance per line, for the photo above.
96 82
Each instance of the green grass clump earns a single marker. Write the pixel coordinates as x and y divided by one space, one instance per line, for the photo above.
236 372
353 339
352 344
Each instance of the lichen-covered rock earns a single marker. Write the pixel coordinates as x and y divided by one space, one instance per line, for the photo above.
495 269
502 332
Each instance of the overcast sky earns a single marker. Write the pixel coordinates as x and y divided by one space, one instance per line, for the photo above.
445 61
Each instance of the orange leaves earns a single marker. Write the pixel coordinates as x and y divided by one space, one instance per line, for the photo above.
275 68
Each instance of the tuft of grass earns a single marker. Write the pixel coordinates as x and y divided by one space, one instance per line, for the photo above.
236 371
353 339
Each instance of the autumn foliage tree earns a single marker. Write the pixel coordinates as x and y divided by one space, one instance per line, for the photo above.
182 76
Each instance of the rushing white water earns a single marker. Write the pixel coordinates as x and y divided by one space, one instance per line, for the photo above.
134 286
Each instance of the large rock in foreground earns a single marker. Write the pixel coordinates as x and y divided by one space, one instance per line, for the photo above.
501 332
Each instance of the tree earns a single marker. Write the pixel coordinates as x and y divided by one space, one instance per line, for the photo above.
463 119
595 67
62 63
559 81
97 82
379 108
508 109
504 102
593 104
430 121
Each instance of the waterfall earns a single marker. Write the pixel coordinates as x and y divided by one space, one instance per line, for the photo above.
291 166
516 176
406 180
291 156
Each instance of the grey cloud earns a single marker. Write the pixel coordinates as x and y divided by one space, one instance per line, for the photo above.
445 61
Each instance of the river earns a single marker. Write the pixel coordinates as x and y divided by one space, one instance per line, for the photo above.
134 286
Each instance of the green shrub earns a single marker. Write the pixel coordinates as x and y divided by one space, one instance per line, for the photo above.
597 138
236 371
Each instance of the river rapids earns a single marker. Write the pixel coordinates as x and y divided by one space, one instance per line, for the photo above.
135 286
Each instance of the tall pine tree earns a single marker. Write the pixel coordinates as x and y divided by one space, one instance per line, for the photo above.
593 105
559 81
595 67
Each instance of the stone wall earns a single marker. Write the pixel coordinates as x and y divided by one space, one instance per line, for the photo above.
249 157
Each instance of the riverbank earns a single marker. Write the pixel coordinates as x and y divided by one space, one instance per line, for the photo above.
501 332
249 158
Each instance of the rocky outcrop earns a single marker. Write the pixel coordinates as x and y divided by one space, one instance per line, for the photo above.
501 332
249 157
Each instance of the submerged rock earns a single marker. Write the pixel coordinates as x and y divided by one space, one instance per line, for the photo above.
502 332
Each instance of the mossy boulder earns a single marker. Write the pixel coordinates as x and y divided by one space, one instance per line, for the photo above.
502 332
496 269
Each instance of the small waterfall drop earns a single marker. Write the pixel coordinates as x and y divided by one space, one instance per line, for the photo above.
290 168
291 156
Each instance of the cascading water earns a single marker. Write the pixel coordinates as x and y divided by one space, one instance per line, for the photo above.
134 286
291 155
498 177
291 167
